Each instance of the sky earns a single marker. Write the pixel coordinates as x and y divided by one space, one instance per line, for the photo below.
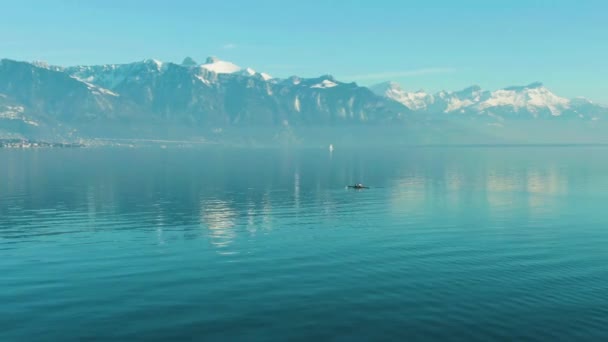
432 45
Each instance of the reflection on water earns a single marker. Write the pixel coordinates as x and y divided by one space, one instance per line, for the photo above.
537 187
296 189
220 219
479 243
222 199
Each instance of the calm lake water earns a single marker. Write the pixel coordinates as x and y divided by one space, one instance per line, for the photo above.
254 245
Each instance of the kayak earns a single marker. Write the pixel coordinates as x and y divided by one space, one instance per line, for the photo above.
358 186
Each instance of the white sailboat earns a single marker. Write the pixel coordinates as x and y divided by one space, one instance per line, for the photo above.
331 147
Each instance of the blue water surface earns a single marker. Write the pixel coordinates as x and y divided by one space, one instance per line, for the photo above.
210 244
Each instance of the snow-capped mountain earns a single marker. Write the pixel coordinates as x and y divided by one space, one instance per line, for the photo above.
530 101
154 96
415 101
212 94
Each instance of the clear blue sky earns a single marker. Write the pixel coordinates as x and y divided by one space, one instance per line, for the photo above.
433 45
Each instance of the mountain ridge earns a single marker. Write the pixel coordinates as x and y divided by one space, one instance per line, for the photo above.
213 94
529 101
38 99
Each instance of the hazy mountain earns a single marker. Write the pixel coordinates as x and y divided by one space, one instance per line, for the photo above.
213 94
522 102
222 93
152 99
43 99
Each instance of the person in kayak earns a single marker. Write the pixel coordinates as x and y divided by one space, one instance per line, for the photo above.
358 186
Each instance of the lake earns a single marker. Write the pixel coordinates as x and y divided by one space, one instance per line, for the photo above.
449 243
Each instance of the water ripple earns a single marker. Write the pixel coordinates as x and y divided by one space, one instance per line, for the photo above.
502 248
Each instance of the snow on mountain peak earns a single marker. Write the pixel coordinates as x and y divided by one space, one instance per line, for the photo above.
218 66
414 101
532 97
325 84
295 80
41 64
157 64
384 87
249 71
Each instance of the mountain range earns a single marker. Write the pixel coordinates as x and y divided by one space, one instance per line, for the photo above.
150 98
523 102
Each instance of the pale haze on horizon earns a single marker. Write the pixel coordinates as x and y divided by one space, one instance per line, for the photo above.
432 45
